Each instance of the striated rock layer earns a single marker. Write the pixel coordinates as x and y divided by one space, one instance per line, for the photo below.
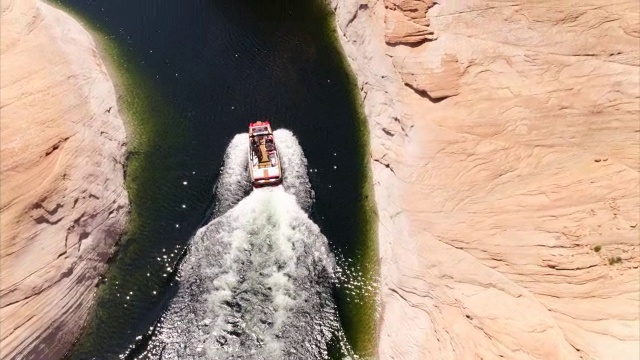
505 148
62 195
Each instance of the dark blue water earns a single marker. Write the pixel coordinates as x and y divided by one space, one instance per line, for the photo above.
195 73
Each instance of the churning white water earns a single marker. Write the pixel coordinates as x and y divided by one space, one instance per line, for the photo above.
256 282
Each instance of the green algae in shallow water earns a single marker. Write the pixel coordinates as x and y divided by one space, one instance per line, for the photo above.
152 132
177 138
359 314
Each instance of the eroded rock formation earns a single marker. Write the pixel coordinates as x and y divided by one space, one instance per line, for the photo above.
62 193
505 148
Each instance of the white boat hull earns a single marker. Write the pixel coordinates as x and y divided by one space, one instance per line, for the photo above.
264 162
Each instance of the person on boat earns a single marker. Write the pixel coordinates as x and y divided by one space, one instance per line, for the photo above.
269 144
258 149
255 146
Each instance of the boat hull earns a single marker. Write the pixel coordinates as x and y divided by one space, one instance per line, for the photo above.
264 162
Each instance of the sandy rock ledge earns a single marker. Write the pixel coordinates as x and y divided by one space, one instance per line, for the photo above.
63 198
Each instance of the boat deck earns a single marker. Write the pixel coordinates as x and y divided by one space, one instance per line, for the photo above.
263 156
264 162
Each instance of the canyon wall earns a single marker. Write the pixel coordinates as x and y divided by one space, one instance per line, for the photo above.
62 190
505 153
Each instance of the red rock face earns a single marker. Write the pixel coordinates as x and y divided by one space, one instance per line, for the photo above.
505 160
63 202
407 22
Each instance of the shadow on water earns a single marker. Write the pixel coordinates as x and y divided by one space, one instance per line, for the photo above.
191 75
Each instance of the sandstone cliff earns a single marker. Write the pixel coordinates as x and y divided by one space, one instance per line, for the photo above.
62 193
505 152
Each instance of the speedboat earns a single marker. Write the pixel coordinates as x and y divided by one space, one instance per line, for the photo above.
264 163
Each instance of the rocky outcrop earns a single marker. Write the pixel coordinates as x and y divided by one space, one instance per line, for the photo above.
505 142
62 194
406 22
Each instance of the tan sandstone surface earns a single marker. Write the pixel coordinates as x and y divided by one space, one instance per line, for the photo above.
505 152
62 192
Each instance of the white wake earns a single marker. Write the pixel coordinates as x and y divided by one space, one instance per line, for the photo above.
256 282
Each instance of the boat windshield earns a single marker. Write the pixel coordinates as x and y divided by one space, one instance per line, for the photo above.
259 130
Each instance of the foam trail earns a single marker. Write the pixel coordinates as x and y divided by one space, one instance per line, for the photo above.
233 183
294 165
255 285
257 280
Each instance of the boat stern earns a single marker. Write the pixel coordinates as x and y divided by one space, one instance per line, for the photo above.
271 176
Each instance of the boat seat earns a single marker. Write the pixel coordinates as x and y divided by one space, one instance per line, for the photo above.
263 156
